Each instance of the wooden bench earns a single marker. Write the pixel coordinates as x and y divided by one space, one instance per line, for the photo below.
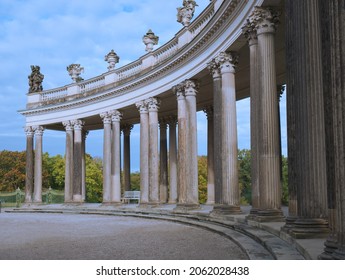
131 195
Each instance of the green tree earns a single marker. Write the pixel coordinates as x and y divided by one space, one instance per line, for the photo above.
12 170
285 190
202 178
244 176
94 179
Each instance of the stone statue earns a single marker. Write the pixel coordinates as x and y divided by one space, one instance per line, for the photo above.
149 40
35 79
185 13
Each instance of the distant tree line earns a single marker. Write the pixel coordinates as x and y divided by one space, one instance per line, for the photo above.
12 175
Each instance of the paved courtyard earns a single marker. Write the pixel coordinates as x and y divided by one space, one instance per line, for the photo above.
30 236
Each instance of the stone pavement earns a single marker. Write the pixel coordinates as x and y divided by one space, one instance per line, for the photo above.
257 240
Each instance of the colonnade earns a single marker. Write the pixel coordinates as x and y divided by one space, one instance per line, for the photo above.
180 184
315 161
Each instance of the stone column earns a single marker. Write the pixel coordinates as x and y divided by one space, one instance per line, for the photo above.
333 58
187 141
182 146
163 166
230 200
210 157
217 129
69 126
106 117
154 196
191 87
306 124
144 152
116 158
126 128
77 161
83 159
172 120
29 179
250 34
38 164
265 20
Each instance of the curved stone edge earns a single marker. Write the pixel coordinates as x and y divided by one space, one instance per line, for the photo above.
256 243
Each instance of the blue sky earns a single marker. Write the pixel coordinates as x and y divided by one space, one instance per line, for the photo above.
54 35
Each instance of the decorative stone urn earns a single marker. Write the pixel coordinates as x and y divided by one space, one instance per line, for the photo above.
112 58
74 70
186 13
150 39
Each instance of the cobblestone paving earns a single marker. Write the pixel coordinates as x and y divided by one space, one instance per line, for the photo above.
29 236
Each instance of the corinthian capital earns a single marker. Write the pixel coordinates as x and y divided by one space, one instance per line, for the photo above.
68 125
179 90
38 130
153 103
116 116
265 19
142 106
249 31
29 131
126 128
191 87
214 69
78 124
227 61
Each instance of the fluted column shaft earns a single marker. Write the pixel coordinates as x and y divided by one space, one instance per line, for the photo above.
29 177
163 174
182 144
231 195
106 157
264 20
144 152
306 126
192 146
69 161
227 194
333 58
250 33
83 160
172 160
116 158
127 156
217 131
154 196
77 161
210 156
38 164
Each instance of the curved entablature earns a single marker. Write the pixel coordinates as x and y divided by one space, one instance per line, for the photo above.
218 28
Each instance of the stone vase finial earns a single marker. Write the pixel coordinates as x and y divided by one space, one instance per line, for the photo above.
112 58
74 70
150 39
186 13
35 79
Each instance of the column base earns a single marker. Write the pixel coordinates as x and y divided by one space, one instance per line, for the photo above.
268 215
185 207
172 201
289 223
222 209
329 250
77 198
307 228
252 214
